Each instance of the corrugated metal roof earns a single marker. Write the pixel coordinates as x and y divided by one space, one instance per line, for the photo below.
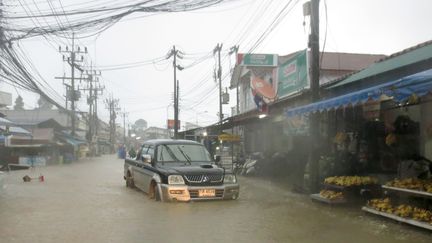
398 60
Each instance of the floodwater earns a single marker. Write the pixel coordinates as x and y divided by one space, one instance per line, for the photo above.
87 201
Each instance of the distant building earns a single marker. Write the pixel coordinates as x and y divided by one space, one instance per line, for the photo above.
30 118
155 133
5 99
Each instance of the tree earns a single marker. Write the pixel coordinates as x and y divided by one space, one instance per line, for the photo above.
44 104
19 103
140 125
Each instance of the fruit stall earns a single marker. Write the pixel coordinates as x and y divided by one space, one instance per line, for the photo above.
406 200
346 189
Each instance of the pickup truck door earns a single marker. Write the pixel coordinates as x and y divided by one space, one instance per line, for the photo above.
138 169
147 171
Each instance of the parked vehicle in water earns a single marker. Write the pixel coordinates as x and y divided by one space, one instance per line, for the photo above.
178 170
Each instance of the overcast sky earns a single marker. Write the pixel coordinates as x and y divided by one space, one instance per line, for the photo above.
367 26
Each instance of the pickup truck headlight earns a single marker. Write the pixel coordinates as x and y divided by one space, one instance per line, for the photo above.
175 180
230 179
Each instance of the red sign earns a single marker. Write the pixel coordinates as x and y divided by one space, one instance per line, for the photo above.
170 124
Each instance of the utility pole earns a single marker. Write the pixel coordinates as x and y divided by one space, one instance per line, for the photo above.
72 59
124 114
93 88
175 53
98 90
234 50
112 106
315 72
218 49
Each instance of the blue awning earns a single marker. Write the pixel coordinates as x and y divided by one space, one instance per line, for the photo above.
399 90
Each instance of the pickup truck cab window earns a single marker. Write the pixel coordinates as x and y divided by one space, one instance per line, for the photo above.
150 151
142 151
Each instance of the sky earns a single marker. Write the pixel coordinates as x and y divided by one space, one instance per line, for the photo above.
145 92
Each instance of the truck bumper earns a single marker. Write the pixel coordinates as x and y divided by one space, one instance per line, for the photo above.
186 193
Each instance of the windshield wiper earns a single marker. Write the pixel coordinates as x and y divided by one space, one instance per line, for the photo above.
171 153
185 155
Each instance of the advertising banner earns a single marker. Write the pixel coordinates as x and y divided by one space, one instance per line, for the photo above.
293 75
257 60
296 125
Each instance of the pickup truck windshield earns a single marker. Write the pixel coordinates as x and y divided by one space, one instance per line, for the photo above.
182 153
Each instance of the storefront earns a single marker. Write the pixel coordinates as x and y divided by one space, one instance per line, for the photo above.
376 143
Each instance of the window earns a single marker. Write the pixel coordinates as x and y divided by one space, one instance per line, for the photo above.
150 151
142 151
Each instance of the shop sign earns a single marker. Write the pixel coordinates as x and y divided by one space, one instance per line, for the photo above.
293 75
296 125
262 60
229 137
371 110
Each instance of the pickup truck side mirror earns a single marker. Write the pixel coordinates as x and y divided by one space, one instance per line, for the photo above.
217 158
146 158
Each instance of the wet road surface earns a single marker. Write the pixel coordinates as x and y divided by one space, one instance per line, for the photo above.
87 201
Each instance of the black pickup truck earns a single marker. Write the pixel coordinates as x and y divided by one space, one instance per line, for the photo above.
178 170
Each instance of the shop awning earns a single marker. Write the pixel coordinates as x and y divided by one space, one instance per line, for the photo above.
399 90
5 122
69 139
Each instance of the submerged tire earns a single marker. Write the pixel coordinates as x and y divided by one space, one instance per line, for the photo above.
154 192
129 181
157 194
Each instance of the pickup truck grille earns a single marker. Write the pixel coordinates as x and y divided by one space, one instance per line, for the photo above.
204 178
194 193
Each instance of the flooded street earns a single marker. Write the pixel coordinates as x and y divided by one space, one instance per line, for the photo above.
88 201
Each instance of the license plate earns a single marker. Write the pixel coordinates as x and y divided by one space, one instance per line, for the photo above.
206 192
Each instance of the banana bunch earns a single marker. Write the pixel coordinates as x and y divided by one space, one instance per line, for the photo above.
332 195
403 210
383 205
350 180
428 187
411 183
422 215
390 139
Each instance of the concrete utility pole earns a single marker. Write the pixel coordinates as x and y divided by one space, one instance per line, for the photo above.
314 75
93 87
218 49
112 106
234 50
175 53
72 60
124 114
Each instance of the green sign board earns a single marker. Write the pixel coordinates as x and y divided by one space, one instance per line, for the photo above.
263 60
293 75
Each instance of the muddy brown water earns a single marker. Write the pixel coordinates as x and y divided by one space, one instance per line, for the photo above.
87 201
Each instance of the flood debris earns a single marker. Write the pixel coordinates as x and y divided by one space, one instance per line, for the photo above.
27 178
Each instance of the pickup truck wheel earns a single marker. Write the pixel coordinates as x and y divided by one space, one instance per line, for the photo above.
154 192
129 181
157 195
